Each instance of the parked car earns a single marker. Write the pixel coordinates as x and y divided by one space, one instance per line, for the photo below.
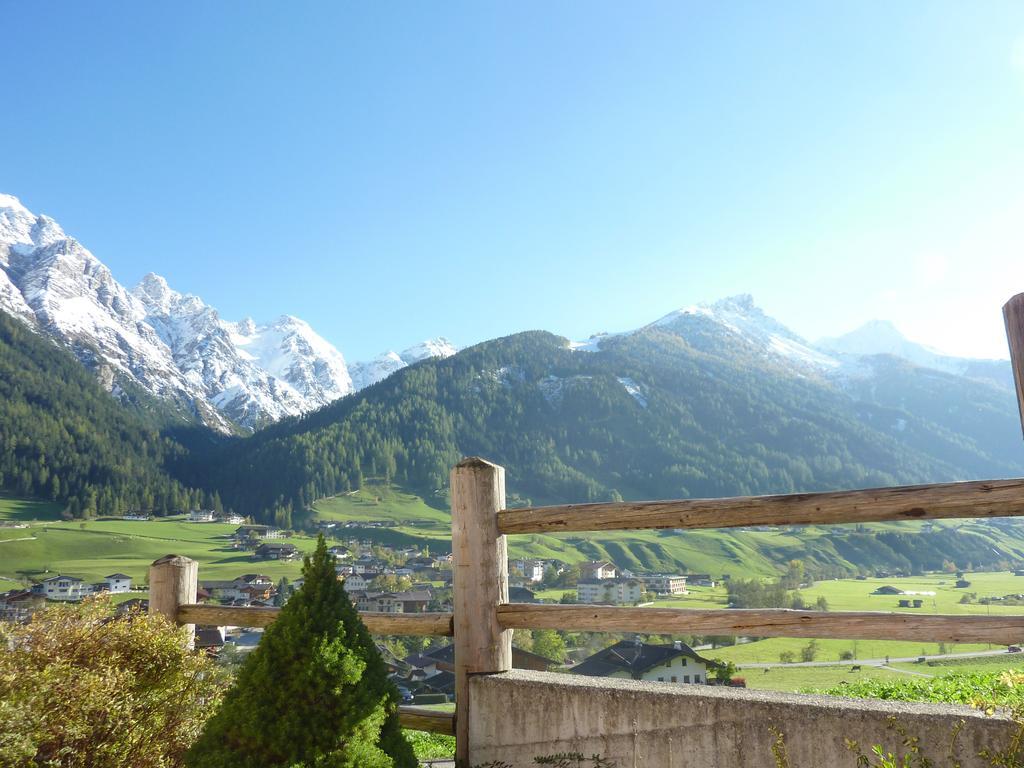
1013 649
406 695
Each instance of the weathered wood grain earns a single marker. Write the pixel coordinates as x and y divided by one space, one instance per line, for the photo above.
1013 316
439 624
984 498
1001 630
173 581
480 561
423 719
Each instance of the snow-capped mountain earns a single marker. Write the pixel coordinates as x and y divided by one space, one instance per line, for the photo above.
880 337
55 285
382 366
737 320
172 345
211 354
741 318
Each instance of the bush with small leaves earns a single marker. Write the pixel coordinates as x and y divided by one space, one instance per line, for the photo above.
80 688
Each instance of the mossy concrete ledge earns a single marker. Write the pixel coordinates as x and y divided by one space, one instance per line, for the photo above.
518 715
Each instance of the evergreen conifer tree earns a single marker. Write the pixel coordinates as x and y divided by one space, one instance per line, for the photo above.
315 691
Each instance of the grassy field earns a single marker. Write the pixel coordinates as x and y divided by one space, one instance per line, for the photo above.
768 650
796 679
742 554
25 510
91 550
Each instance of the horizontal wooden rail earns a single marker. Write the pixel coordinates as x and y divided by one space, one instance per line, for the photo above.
768 622
423 719
984 498
439 624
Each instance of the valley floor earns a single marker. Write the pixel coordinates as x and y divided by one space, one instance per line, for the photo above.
93 549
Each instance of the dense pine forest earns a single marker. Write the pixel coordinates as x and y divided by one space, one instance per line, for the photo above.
63 437
649 416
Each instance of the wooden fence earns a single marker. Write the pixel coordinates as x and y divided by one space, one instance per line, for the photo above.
483 619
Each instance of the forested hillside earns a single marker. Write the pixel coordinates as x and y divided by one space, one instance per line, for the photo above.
63 437
655 414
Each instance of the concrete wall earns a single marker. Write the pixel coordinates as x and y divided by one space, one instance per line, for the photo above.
519 715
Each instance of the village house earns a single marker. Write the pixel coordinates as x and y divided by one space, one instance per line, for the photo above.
19 604
663 584
435 668
276 552
634 660
368 563
117 583
532 570
201 516
136 516
63 588
231 519
521 595
247 589
393 602
209 639
609 591
597 569
360 582
258 532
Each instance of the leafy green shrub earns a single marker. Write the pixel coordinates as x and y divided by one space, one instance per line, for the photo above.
315 691
81 688
431 746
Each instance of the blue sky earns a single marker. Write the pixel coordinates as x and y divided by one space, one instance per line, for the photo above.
393 171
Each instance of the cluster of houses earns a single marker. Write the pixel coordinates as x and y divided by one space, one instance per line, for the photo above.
601 582
210 516
433 671
19 604
250 589
72 588
265 542
361 574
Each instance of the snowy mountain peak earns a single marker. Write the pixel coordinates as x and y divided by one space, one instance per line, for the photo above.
439 347
155 293
246 327
741 302
19 227
10 202
875 337
881 337
172 345
368 373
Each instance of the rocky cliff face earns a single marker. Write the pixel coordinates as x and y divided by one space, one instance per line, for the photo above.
172 345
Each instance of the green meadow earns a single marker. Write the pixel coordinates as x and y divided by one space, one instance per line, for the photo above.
26 510
93 549
96 548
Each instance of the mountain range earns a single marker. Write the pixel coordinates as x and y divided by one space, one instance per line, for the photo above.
710 400
173 346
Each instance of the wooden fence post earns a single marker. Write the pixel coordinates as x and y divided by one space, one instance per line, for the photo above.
1013 316
173 582
480 585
